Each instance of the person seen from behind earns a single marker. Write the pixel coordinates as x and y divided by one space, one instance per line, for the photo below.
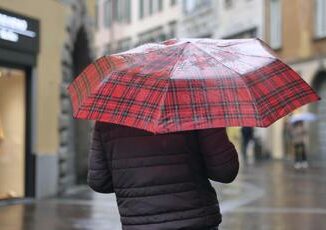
161 181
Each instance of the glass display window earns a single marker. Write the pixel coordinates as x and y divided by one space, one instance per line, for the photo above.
12 132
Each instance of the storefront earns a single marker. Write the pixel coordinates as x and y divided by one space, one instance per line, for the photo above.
19 46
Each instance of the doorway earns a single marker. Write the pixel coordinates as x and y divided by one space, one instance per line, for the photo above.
81 58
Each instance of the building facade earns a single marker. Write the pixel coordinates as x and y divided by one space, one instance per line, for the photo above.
222 18
124 24
40 48
199 19
296 30
240 19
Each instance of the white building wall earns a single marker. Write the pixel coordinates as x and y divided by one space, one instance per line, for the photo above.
223 22
120 31
201 22
241 16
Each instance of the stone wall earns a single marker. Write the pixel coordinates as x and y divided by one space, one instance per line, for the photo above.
78 19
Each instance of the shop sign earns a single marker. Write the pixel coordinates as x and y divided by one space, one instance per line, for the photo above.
18 32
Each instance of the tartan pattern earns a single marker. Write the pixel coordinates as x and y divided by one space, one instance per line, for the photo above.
189 84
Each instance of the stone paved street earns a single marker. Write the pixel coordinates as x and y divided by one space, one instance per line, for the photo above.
267 196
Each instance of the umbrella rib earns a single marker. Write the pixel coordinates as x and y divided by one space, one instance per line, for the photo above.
162 104
248 40
178 59
167 87
239 60
252 98
249 55
198 47
156 48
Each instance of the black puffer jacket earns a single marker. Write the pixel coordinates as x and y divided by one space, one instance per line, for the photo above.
161 181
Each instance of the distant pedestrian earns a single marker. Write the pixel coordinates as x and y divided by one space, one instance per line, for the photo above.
299 135
161 180
247 136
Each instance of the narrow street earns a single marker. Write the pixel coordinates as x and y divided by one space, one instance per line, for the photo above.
265 196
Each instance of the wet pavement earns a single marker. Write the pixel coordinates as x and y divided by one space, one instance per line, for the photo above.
265 196
285 199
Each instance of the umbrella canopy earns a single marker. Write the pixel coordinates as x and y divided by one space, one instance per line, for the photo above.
188 84
303 117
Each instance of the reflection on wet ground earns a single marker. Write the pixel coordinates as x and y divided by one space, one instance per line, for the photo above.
287 199
264 196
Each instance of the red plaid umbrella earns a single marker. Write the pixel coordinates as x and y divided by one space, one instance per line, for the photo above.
190 84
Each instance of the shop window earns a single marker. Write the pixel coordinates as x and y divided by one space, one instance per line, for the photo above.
12 133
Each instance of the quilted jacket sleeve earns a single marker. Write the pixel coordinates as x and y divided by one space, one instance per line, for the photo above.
99 174
220 156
